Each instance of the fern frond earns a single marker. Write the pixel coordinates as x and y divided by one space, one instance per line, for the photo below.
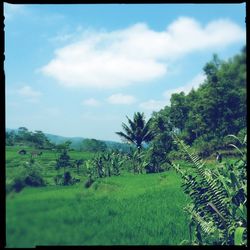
232 145
207 227
235 137
215 193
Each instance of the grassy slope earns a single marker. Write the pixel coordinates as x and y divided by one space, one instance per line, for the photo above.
47 161
129 209
124 210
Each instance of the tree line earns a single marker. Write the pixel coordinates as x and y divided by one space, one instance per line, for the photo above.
202 118
23 137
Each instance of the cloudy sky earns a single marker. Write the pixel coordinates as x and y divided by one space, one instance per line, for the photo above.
78 70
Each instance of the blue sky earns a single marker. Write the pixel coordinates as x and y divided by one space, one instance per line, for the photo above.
79 70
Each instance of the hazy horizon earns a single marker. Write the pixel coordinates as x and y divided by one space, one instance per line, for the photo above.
77 136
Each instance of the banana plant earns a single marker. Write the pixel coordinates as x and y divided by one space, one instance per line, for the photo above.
91 172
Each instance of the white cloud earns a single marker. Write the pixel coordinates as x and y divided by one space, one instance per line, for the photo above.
121 99
135 54
91 102
152 105
30 94
186 88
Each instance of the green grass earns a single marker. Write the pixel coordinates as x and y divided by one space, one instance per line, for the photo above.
120 210
124 210
47 161
48 155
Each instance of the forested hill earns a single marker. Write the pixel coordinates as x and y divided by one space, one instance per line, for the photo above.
40 139
80 143
204 117
57 139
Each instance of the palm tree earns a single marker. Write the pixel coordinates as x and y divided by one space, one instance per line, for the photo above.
137 131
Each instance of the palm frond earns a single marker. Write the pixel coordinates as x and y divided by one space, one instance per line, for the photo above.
139 120
124 136
137 131
128 131
131 124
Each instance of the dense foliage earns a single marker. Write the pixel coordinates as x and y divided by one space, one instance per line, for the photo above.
203 117
28 174
23 136
219 199
105 164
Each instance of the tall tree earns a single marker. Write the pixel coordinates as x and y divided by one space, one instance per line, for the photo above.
179 110
23 134
217 108
65 146
10 138
137 131
63 161
39 139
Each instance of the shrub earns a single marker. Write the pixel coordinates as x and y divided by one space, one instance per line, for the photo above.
63 161
58 179
88 183
34 179
18 183
26 176
67 178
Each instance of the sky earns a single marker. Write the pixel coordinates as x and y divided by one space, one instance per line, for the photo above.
79 70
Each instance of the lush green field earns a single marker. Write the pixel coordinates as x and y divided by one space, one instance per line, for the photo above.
47 161
12 154
144 209
126 210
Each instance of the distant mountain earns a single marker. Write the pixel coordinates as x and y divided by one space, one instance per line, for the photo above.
57 139
77 141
